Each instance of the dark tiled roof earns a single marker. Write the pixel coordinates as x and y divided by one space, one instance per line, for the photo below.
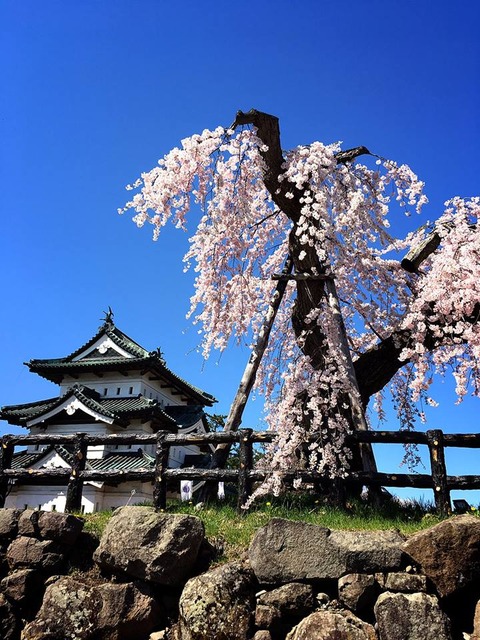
122 461
185 415
120 410
55 369
126 461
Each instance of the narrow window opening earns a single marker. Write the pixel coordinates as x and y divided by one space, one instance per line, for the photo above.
54 507
118 391
105 391
130 391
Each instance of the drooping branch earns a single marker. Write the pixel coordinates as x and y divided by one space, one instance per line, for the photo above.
377 366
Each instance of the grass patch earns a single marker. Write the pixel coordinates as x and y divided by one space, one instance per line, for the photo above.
235 531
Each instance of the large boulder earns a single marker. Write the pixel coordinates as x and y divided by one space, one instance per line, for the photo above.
410 616
74 609
332 625
9 523
280 609
293 599
24 589
358 591
448 553
50 525
285 551
158 547
9 624
30 553
217 605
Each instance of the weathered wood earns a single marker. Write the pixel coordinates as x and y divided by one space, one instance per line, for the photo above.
117 477
190 473
6 454
245 465
467 440
463 482
37 475
439 472
420 252
73 500
162 451
417 480
358 413
246 475
90 439
389 437
300 276
247 381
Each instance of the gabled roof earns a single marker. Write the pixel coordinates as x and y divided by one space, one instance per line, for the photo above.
118 411
112 350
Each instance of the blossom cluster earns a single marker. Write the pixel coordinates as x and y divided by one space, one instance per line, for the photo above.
242 238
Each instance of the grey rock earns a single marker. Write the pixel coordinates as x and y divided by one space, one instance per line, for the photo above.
323 599
266 616
30 553
285 551
357 591
405 582
217 605
61 527
448 553
292 599
28 523
332 625
9 523
50 525
9 624
410 616
73 609
158 547
23 588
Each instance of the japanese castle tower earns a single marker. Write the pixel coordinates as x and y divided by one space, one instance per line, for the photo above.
109 385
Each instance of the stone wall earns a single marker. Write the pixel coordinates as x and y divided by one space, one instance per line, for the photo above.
148 578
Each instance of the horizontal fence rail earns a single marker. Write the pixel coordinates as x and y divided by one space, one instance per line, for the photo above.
244 476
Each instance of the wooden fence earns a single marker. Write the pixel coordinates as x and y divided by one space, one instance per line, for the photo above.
75 477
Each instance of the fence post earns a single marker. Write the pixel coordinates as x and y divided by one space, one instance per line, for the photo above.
162 451
73 500
439 471
6 455
245 464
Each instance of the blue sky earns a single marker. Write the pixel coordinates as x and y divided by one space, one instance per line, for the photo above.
94 92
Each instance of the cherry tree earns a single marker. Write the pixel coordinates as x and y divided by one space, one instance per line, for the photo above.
312 226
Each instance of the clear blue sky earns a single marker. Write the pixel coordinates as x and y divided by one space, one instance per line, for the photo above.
94 92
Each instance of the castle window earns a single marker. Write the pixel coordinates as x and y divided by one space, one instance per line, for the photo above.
118 391
105 391
130 391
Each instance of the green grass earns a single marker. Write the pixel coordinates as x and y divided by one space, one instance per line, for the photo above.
235 531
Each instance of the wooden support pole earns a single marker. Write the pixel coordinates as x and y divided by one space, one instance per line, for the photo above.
73 502
162 452
439 472
245 465
235 414
358 414
6 455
